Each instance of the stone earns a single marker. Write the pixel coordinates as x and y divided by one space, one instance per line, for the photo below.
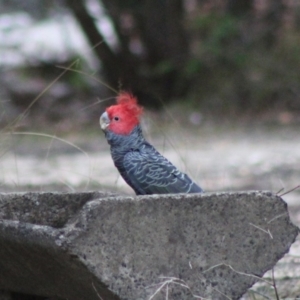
102 246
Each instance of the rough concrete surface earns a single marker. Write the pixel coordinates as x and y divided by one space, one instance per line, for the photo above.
100 246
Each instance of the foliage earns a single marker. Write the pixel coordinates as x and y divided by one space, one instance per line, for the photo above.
234 72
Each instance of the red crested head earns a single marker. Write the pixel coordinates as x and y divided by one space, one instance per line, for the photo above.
125 115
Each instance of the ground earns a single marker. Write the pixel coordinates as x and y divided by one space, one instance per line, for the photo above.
219 157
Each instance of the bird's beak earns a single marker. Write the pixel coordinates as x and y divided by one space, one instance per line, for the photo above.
104 121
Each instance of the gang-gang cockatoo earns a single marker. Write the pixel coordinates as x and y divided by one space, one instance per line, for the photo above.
139 163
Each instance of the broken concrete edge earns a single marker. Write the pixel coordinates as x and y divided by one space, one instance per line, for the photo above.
50 209
47 240
25 232
104 194
60 238
98 195
185 197
93 198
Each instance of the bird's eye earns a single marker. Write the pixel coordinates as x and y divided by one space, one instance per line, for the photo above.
116 118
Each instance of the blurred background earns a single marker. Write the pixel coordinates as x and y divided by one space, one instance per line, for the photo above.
225 58
219 81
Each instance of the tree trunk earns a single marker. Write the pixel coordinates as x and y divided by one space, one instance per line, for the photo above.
108 59
273 22
157 26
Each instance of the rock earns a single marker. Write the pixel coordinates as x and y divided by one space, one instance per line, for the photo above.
99 246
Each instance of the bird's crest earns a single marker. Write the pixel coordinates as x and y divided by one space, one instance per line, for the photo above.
127 111
128 103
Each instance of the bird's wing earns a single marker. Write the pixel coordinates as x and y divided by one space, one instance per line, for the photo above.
151 173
